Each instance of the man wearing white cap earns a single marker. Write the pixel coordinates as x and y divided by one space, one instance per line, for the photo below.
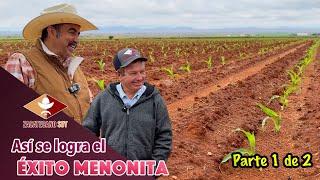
49 67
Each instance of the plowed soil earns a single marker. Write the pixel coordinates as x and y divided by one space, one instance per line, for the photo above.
206 105
203 131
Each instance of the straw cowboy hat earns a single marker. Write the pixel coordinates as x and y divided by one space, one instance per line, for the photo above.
62 13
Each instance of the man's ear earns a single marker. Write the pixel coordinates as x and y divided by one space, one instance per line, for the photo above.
121 72
51 31
54 31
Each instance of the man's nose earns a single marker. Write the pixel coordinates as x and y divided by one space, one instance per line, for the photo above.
140 76
76 38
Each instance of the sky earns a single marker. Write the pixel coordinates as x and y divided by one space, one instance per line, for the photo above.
198 14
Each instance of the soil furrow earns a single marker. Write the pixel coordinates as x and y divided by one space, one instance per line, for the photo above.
203 130
189 100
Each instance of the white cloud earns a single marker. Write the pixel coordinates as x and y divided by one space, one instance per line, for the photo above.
155 13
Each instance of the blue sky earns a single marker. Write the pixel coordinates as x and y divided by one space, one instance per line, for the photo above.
200 14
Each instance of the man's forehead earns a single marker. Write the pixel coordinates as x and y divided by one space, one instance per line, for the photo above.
135 65
69 26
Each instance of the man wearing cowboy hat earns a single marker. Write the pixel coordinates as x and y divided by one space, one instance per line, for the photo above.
49 67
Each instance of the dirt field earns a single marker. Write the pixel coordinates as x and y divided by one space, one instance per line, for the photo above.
208 103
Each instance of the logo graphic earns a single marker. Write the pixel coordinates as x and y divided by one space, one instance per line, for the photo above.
129 51
45 106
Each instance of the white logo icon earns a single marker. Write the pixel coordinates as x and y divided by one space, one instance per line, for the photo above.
129 51
45 105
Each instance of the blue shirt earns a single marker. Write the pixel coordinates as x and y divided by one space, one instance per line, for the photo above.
125 99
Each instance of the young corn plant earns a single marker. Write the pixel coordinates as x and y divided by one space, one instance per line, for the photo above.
177 52
186 67
185 54
151 58
244 151
262 51
170 72
165 55
223 60
96 47
283 100
271 114
294 78
100 84
289 90
242 55
209 62
105 52
151 50
101 64
300 68
162 48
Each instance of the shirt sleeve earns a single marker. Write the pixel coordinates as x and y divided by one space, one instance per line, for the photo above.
93 121
19 67
163 135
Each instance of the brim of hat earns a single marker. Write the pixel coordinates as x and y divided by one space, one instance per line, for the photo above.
34 28
129 61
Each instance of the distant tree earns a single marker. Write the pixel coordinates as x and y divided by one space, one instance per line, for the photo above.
110 37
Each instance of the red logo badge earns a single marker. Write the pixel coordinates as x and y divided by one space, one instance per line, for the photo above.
45 106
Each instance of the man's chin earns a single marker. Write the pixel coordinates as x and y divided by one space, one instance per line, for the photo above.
70 51
138 86
69 54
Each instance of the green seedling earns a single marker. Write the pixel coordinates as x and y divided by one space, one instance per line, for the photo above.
262 51
271 114
209 62
244 151
170 72
283 100
177 52
105 52
301 67
289 90
294 78
242 55
101 64
100 84
223 60
162 48
165 55
151 58
186 67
